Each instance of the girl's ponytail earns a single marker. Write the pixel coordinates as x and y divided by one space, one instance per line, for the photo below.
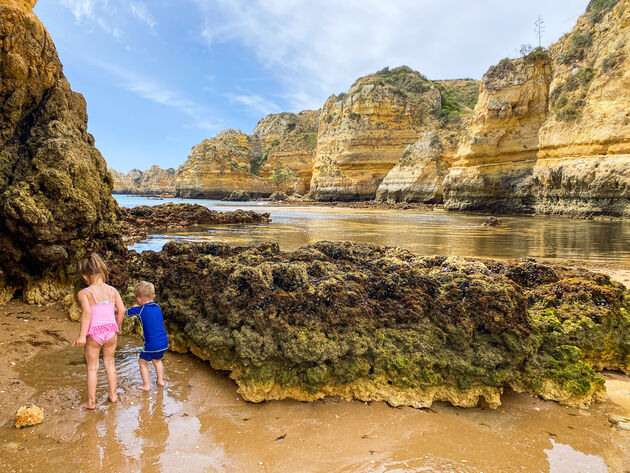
92 264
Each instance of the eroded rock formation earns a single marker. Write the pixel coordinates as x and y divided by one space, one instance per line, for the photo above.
55 191
278 156
363 133
153 181
138 221
376 323
551 132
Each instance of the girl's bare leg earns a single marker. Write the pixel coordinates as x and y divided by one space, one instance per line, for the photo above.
92 350
144 372
159 370
110 367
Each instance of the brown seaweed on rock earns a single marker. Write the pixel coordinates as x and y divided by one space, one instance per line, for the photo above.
378 323
138 221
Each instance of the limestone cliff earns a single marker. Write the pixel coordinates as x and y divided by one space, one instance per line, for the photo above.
287 149
551 131
362 133
153 181
278 156
55 191
420 172
217 167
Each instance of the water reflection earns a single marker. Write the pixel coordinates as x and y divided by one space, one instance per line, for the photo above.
564 458
599 243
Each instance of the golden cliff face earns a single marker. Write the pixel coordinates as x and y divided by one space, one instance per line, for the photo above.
278 156
551 132
217 167
153 181
419 174
362 134
287 149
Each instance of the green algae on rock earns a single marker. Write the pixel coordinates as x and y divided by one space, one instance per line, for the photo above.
55 191
379 323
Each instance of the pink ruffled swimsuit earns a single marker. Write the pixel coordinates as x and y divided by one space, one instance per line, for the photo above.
103 324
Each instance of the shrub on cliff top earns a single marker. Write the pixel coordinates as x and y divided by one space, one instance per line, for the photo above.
403 80
599 8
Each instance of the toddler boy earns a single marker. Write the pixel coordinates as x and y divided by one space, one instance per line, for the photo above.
155 338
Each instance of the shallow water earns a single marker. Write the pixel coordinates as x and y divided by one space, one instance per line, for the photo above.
198 423
553 238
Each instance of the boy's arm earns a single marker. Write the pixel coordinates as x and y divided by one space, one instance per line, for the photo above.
86 317
134 311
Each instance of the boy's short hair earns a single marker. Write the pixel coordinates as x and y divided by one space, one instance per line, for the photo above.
144 289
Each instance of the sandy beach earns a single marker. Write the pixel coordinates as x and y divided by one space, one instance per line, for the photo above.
199 423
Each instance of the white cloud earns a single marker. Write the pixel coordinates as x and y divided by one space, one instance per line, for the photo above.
255 103
141 12
152 90
319 47
80 8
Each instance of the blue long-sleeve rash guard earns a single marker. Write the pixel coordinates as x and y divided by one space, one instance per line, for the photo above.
150 315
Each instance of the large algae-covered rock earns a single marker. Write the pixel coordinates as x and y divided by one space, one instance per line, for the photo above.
55 191
138 221
551 132
153 181
377 323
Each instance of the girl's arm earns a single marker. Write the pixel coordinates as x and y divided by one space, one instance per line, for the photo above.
86 316
120 309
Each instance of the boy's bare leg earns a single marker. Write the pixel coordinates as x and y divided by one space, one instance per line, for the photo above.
92 350
159 370
144 372
110 367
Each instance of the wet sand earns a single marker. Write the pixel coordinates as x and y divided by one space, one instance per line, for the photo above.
198 423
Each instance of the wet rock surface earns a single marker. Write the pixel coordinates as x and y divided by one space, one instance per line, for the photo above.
55 191
138 221
379 323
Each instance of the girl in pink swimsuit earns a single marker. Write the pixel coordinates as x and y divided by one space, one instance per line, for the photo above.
100 323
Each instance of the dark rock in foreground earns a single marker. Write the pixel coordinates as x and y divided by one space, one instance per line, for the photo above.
377 323
137 221
55 191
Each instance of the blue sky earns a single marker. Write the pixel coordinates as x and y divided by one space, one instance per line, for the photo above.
159 76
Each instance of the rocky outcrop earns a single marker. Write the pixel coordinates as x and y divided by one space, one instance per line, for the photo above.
277 157
363 133
138 221
375 323
287 149
217 167
153 181
419 174
55 191
551 132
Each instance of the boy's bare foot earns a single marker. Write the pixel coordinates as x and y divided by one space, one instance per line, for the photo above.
113 398
87 405
142 387
160 383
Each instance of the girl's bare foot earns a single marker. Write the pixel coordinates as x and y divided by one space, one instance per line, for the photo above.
88 406
113 398
142 387
160 383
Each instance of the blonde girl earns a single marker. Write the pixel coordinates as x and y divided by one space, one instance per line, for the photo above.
102 314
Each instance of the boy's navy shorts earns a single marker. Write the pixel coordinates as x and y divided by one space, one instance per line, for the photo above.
150 356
